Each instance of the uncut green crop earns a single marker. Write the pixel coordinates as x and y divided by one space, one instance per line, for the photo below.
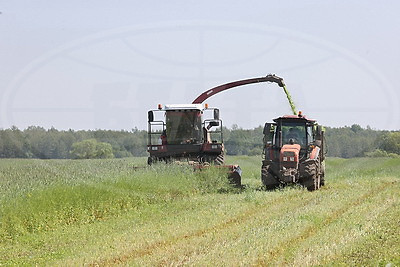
43 195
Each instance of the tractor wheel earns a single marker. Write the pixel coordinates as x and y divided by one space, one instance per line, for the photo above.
316 183
316 178
268 180
150 160
219 160
322 182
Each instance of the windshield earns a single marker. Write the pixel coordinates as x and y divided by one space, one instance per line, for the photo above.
294 133
183 127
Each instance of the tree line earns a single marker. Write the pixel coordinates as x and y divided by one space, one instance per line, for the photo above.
37 142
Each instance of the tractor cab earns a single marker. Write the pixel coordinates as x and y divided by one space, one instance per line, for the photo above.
292 130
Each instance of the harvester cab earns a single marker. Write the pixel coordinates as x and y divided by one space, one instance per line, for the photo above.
294 152
187 131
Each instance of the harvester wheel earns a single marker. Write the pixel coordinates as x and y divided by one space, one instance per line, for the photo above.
268 179
219 160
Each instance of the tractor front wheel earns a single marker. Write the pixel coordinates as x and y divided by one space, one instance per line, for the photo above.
268 180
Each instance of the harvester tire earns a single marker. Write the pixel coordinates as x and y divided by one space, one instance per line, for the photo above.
268 180
219 160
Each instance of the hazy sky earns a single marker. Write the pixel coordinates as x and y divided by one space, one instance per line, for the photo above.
102 64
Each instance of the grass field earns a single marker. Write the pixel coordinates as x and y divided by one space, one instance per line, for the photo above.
105 212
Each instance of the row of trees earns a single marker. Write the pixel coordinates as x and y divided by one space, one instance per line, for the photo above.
37 142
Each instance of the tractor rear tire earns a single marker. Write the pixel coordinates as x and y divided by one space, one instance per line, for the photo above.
322 182
316 178
268 180
316 183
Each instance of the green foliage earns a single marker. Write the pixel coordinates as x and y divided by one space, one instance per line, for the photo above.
378 153
13 144
240 141
37 142
349 142
390 142
256 151
91 149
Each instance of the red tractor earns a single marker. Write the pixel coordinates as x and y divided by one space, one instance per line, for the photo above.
294 152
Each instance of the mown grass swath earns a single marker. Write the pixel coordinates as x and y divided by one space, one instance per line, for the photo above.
103 212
